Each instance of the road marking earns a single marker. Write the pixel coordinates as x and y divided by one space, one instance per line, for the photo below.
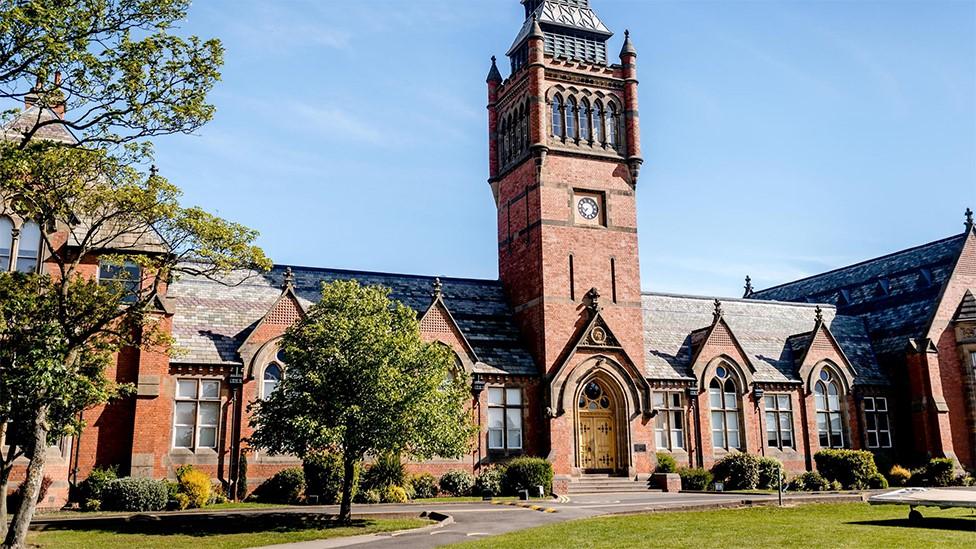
477 534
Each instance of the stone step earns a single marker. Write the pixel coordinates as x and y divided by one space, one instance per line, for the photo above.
595 484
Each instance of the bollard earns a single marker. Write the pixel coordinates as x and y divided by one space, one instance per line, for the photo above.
524 494
540 491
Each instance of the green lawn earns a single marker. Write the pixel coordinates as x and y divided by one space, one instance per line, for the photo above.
851 525
238 535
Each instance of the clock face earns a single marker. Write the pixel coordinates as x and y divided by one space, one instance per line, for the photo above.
588 208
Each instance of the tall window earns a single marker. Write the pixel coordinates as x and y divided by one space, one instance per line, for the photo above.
613 126
876 423
197 415
519 139
584 121
504 418
557 117
6 242
572 117
596 117
830 422
29 247
669 426
723 399
127 276
272 377
779 421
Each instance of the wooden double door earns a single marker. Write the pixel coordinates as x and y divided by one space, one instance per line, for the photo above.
597 441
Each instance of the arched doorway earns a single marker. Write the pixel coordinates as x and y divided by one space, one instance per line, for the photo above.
598 427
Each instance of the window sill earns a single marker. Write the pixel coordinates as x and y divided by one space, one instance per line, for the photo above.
504 453
203 452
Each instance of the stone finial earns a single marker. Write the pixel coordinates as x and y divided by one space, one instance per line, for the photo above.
289 280
749 289
717 313
819 313
628 48
153 170
594 300
969 219
536 29
438 289
494 75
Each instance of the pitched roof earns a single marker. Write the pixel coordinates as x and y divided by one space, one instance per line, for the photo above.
894 294
31 116
212 320
770 333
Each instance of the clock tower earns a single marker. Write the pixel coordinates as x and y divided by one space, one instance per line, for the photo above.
564 161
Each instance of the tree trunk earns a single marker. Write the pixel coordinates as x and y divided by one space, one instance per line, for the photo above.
4 486
345 506
17 536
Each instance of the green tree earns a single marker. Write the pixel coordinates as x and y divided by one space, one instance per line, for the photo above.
116 77
360 382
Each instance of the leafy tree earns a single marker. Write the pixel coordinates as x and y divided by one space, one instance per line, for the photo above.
360 382
114 76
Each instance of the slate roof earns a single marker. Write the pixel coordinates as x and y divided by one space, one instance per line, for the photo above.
772 335
212 320
895 294
28 118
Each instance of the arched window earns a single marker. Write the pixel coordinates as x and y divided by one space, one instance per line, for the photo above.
572 116
6 242
518 132
558 115
723 398
585 121
511 136
271 379
830 417
29 247
596 117
613 126
503 143
525 129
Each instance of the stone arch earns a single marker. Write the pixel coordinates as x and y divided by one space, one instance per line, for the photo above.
621 412
706 371
843 375
262 357
567 390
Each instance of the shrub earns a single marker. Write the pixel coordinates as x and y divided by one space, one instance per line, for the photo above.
182 501
388 470
527 473
851 468
665 463
92 505
695 478
284 487
939 471
195 485
738 470
964 479
393 494
490 481
217 494
91 488
242 477
457 483
770 473
424 486
899 476
135 494
878 481
323 477
811 481
368 497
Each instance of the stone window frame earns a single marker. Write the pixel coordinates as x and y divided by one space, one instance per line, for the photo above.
875 412
264 381
131 285
604 109
15 253
841 412
778 412
667 411
197 400
508 410
736 412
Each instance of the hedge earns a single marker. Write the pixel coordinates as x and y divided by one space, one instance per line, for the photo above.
695 478
135 495
770 469
738 471
285 486
424 486
527 473
665 463
853 469
490 481
91 488
938 472
457 483
811 481
323 477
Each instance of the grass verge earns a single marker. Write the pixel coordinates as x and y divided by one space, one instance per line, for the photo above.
854 525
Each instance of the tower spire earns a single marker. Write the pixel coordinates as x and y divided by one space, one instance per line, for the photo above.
628 48
493 74
969 219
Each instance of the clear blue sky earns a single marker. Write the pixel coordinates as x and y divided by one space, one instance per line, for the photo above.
781 138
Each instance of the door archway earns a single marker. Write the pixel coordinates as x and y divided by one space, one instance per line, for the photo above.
598 427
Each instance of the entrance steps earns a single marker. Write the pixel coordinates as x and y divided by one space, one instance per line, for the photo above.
599 484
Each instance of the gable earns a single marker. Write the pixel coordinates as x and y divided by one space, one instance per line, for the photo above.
953 297
437 325
720 341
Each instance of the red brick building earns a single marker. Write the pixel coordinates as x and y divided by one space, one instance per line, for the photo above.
567 357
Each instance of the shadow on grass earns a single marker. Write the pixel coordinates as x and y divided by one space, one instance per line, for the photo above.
961 524
209 525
